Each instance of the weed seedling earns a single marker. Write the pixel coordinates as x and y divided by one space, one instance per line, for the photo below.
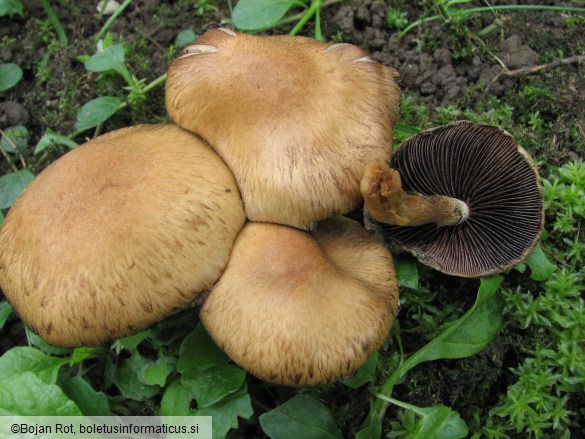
259 16
466 336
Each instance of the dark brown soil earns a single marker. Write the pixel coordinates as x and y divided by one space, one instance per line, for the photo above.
439 65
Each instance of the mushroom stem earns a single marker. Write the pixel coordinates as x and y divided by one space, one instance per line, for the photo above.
387 202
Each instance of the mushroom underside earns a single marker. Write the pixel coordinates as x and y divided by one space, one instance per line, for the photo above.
497 180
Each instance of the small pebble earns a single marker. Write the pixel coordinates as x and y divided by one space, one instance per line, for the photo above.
109 7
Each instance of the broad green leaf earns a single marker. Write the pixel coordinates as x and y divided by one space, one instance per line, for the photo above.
26 394
11 185
5 307
45 347
520 267
226 412
1 220
90 402
17 136
52 138
127 380
406 272
214 384
108 41
185 37
541 268
440 422
469 334
206 371
109 58
130 342
365 374
83 353
110 371
173 330
261 14
26 359
402 133
373 428
199 354
10 75
154 374
96 111
11 7
406 130
300 417
437 422
176 400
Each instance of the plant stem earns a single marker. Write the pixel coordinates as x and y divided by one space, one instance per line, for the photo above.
418 23
153 84
113 18
533 69
382 394
524 8
10 162
466 13
293 18
158 81
487 30
318 32
394 401
5 154
315 6
55 22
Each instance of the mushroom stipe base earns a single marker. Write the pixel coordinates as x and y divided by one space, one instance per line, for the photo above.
387 202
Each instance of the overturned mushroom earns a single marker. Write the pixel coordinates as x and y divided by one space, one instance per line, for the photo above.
295 119
118 233
464 198
295 308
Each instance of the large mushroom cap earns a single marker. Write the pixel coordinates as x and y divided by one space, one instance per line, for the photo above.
498 183
296 120
117 233
295 308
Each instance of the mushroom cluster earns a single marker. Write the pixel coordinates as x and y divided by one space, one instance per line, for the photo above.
238 207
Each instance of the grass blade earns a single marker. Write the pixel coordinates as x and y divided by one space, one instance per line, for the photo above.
55 22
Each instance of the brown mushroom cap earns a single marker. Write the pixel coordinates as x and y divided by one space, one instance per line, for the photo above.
496 179
298 309
295 119
118 233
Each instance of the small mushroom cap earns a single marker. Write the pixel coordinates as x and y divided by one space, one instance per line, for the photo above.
301 309
116 234
295 119
497 180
